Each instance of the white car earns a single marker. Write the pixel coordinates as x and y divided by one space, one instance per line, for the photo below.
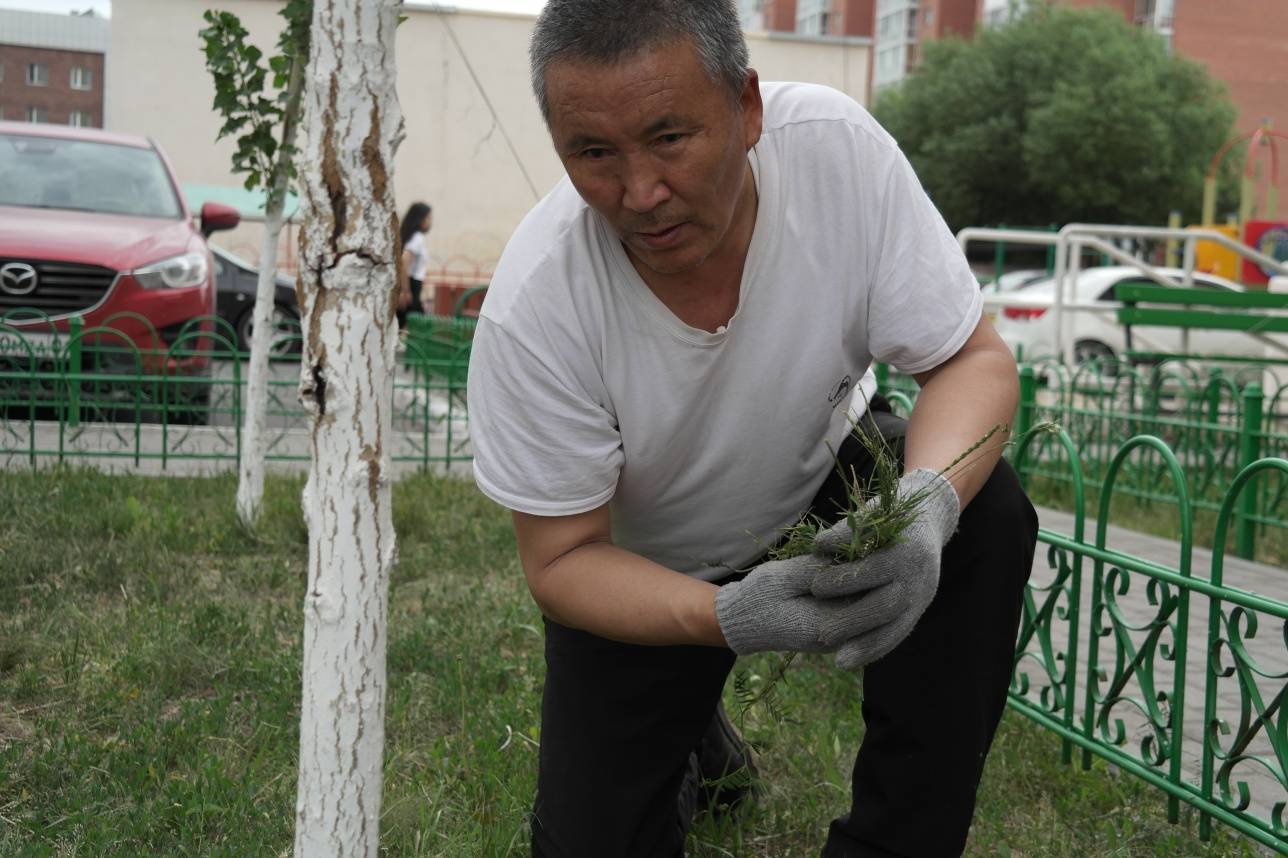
1028 325
1013 280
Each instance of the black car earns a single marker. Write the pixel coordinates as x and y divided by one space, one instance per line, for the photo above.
236 282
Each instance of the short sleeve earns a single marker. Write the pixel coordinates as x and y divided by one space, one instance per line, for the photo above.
415 245
924 302
541 444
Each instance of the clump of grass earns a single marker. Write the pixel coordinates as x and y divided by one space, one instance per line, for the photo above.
877 516
876 513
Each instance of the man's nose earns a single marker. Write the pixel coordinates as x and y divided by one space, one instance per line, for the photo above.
644 186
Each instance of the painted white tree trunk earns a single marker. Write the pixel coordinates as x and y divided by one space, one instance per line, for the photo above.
352 125
250 485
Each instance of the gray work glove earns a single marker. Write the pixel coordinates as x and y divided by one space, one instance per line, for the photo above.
772 609
871 605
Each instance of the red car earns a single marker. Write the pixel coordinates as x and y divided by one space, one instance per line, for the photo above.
92 225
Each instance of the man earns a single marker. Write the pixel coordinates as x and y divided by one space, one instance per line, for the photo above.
664 364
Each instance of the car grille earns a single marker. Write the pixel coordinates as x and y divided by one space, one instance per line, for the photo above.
62 288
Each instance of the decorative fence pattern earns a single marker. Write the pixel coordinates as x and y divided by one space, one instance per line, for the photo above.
95 394
1216 421
1161 668
1178 685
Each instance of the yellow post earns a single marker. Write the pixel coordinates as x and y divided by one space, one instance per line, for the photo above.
1247 195
1173 222
1209 200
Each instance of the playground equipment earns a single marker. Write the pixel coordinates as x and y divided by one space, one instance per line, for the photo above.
1259 190
1257 223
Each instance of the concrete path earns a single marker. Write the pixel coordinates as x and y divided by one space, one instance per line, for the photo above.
1267 648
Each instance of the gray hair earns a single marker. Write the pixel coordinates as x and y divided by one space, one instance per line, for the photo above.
607 31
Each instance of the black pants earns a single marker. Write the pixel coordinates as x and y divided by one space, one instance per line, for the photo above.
414 308
619 720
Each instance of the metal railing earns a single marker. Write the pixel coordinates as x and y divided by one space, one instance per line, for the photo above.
91 394
1198 715
1215 421
1075 238
1159 667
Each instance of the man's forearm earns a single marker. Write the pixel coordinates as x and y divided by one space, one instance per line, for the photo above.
958 405
616 594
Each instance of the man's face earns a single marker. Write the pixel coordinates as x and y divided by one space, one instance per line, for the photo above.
658 148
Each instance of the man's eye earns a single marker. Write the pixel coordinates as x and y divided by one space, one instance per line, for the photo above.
670 138
594 153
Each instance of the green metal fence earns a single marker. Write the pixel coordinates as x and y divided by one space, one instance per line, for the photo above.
1216 420
1162 669
1177 685
81 395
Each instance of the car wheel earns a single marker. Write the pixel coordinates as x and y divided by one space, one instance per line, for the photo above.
244 327
1099 356
286 331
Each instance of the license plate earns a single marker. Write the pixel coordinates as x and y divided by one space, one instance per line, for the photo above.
39 343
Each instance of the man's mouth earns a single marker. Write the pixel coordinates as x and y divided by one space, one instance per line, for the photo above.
663 238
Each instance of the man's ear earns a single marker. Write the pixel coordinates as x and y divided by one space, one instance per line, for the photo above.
753 111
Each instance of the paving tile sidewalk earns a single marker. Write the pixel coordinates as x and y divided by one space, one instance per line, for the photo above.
1267 647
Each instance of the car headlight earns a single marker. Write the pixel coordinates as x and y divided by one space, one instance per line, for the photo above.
178 272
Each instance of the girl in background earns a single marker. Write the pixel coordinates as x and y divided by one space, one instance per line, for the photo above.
415 260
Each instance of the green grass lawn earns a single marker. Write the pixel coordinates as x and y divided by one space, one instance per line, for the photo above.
149 693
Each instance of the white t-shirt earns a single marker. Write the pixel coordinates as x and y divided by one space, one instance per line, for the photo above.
419 256
584 389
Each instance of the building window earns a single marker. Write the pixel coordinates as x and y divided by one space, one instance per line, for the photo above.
82 78
37 74
37 114
81 119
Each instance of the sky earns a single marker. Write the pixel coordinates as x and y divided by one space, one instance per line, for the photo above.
104 7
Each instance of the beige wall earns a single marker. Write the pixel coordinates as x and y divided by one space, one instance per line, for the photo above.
455 155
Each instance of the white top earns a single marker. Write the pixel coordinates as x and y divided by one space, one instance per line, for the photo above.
419 256
584 389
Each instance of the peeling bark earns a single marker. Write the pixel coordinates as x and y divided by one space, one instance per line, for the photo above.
352 125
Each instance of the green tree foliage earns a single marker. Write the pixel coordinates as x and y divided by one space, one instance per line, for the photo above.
1063 115
240 78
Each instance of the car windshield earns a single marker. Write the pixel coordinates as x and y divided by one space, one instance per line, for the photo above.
80 175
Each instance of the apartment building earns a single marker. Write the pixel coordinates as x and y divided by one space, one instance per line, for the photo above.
904 26
768 16
835 17
809 17
52 68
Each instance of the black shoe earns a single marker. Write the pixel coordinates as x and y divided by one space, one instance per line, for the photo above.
691 795
728 775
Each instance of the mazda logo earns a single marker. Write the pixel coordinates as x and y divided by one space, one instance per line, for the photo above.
17 278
